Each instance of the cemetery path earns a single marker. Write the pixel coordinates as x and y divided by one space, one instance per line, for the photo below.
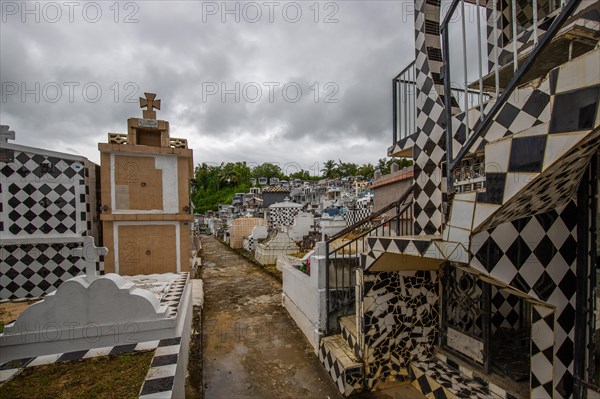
251 347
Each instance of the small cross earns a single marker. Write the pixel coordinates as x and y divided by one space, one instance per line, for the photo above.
6 134
90 254
150 103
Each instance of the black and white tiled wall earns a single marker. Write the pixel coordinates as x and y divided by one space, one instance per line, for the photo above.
279 217
536 256
354 215
43 196
399 322
34 270
47 204
429 145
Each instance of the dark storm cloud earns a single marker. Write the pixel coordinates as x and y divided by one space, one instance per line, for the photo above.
182 49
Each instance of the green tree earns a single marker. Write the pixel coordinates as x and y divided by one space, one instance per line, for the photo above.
301 174
267 170
346 168
329 169
383 166
366 170
214 185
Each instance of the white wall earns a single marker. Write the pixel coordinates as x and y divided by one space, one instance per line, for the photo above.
304 297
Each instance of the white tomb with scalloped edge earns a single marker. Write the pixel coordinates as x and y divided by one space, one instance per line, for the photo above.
110 310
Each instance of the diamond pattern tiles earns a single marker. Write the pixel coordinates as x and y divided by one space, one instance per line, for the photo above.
349 333
528 107
41 209
530 194
536 256
48 169
505 309
542 342
428 151
44 196
539 168
29 271
341 364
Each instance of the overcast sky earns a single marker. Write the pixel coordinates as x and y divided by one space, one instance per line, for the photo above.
72 72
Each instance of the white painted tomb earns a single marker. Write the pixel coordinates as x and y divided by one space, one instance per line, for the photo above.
301 227
93 311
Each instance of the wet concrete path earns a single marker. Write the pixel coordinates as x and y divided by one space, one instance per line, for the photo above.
251 347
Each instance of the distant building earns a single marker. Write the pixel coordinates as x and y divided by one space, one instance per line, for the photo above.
388 188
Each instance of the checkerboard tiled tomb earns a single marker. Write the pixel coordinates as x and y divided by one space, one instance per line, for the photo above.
47 205
33 270
283 214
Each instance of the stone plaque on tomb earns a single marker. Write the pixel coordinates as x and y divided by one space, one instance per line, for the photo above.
153 123
6 155
465 344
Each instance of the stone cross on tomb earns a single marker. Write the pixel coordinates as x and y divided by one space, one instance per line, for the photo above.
90 254
6 134
150 103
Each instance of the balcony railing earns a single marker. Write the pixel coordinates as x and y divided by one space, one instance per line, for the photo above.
520 69
404 100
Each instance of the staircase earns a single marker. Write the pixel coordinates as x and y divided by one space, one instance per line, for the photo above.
340 355
345 252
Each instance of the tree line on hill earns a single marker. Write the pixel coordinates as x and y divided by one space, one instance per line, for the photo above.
217 184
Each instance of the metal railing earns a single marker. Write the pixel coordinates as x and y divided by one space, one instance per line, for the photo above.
519 70
343 260
404 100
474 98
469 176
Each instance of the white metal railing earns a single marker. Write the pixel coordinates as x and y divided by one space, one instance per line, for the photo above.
505 41
404 94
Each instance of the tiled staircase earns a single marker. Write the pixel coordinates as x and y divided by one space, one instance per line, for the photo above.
340 354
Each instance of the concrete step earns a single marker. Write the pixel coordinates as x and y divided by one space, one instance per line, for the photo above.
349 333
436 379
346 370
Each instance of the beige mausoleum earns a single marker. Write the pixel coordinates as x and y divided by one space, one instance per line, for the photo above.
145 197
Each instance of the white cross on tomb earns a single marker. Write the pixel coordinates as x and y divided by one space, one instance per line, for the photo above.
90 254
